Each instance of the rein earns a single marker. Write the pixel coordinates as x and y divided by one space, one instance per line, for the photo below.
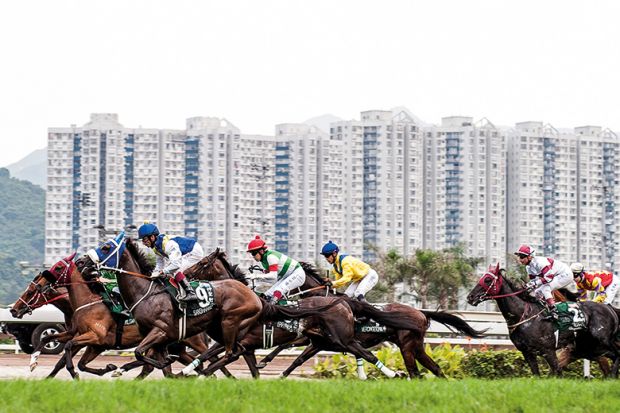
504 295
135 274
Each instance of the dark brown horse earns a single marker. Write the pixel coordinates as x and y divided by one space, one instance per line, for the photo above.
406 325
236 308
63 286
533 335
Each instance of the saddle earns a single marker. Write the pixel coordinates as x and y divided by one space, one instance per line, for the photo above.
570 317
204 291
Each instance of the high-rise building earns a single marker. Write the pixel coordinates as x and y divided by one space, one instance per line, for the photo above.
299 175
464 187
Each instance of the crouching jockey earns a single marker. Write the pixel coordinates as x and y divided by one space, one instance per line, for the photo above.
173 256
604 283
287 273
347 269
546 275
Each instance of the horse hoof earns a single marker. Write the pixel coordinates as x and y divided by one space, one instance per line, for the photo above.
261 365
33 366
76 376
401 375
111 367
117 373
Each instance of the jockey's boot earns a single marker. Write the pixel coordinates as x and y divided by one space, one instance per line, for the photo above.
190 294
552 310
118 302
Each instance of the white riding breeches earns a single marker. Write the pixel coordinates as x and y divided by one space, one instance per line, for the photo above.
364 285
192 257
561 279
612 289
286 284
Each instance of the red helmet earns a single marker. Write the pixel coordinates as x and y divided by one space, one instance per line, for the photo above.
525 250
256 244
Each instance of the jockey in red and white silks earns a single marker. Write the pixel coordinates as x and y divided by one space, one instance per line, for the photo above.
546 274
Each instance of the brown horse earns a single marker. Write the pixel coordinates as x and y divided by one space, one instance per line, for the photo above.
93 317
406 326
236 308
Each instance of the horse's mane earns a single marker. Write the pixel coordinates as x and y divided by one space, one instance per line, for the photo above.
525 296
145 265
237 273
312 272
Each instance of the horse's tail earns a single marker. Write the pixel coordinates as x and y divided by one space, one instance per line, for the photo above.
394 319
273 312
453 321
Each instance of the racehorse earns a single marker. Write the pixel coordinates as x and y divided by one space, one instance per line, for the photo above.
408 336
532 334
235 307
63 286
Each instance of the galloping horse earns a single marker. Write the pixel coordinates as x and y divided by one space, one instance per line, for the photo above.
533 335
405 325
63 287
236 308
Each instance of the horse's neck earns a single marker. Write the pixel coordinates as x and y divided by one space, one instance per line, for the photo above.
79 293
132 288
513 307
64 305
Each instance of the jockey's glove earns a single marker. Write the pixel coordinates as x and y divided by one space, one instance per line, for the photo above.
531 285
159 274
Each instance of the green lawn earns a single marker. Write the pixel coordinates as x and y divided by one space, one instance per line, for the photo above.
343 396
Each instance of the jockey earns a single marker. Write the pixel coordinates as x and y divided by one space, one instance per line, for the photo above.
287 273
546 275
347 269
604 283
173 256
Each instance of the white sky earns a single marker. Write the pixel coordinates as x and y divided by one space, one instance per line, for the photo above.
260 62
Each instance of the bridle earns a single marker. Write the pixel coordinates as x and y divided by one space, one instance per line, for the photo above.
39 297
491 291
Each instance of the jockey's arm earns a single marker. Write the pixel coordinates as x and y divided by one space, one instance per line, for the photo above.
597 285
582 294
159 265
174 257
347 276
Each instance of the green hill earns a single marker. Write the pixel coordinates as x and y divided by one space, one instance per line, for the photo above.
22 222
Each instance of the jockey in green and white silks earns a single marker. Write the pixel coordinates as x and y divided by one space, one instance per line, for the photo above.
287 273
174 255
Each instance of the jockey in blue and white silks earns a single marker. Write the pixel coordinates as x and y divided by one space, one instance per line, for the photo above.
174 254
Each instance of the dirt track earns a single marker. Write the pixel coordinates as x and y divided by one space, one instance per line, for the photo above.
16 366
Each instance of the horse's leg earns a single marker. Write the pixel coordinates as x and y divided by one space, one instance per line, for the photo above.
227 359
552 361
90 337
207 355
358 351
269 357
305 355
415 347
250 360
531 360
199 344
154 337
614 369
60 337
603 363
89 355
62 361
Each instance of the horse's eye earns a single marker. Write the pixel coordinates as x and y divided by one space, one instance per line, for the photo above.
487 281
105 248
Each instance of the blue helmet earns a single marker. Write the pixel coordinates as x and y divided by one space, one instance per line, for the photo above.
329 248
147 229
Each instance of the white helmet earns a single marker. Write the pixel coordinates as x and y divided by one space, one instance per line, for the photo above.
576 268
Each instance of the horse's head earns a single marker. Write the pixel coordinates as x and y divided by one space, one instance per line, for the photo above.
39 292
489 285
107 254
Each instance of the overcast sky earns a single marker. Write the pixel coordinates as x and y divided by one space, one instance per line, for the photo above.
259 63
